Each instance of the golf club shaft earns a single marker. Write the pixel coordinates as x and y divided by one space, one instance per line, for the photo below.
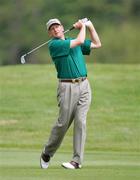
46 43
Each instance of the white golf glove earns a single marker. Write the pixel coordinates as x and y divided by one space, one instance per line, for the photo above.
88 23
84 20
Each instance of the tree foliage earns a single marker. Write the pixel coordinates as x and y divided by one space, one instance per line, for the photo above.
22 27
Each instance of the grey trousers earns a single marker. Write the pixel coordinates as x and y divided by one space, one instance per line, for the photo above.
73 100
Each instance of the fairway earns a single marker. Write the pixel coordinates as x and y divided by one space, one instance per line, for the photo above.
98 165
28 110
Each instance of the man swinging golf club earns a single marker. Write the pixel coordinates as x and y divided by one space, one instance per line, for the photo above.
74 93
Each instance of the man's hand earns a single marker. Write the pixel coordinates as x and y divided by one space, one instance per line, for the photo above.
89 24
79 24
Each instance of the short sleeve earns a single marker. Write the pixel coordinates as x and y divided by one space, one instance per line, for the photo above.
59 48
85 47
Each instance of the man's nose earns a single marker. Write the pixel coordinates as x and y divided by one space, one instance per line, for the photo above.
55 29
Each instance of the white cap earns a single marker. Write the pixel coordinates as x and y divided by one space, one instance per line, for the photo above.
51 22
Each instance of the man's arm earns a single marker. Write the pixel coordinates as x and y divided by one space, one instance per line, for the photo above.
81 36
96 43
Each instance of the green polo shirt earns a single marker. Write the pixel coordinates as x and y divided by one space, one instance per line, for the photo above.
69 62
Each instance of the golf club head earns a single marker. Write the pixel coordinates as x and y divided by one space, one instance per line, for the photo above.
23 59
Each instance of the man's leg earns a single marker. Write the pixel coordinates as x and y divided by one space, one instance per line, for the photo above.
65 102
80 122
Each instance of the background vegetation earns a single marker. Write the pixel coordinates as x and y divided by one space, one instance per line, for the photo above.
22 27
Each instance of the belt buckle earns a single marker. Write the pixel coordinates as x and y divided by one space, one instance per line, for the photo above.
73 80
77 80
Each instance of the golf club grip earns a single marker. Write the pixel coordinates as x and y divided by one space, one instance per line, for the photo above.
84 20
72 28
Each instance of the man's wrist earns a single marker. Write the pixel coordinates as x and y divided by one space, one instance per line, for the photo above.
90 27
83 25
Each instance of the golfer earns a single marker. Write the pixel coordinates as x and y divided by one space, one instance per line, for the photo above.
74 93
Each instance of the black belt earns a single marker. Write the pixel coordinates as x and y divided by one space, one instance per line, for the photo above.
78 80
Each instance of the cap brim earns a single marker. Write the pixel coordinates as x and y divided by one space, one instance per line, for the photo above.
52 25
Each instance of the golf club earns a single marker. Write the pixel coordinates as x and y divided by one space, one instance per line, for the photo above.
23 61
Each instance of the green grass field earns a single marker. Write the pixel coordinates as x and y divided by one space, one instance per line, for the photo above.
28 110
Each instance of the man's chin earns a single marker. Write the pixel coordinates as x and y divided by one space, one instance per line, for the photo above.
57 36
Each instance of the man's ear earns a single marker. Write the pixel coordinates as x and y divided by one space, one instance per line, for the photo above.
49 34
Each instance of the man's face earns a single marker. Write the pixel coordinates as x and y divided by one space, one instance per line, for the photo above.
57 31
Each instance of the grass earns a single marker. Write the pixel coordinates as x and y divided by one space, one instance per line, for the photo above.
98 165
28 110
